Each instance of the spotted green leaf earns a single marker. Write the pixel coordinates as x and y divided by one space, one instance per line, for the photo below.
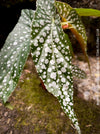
70 16
78 72
51 55
14 54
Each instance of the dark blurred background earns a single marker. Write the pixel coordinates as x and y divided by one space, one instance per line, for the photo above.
9 14
10 11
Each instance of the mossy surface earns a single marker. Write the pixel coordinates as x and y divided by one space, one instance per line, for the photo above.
88 115
40 111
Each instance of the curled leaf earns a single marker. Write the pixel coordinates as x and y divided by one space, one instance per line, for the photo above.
70 17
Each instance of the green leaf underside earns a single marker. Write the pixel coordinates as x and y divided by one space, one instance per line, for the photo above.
14 54
51 55
70 16
87 12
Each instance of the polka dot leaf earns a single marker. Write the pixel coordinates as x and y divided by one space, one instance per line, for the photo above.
71 18
77 72
51 54
14 54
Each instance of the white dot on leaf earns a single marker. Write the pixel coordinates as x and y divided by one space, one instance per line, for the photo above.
41 40
54 84
63 69
65 93
49 69
67 99
46 61
15 43
63 79
56 40
59 72
48 80
53 75
52 62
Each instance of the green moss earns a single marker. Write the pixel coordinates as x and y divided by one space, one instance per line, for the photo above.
37 107
41 112
88 115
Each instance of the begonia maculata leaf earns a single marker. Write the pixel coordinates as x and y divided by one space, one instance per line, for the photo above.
51 55
14 54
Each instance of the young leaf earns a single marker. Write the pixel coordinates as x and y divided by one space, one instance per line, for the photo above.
87 12
78 72
70 16
51 55
14 54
